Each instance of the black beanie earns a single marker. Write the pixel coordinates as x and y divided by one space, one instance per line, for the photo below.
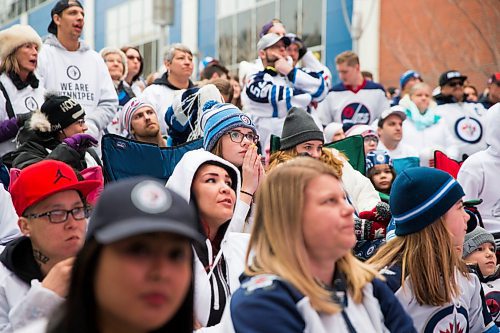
61 111
299 127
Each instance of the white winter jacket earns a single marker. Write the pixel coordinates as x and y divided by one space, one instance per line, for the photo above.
22 302
233 246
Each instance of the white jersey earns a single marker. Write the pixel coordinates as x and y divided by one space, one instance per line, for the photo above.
23 101
466 313
269 95
464 123
350 107
491 287
83 76
401 151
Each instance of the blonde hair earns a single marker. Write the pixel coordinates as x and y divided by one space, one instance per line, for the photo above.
348 57
327 157
10 64
429 260
278 242
217 149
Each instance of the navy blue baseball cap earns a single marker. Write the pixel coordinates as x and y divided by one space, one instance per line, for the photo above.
58 8
141 205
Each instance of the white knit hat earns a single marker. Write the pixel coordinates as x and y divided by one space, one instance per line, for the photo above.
15 36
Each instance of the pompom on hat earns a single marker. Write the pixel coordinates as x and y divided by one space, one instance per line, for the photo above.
218 119
15 36
419 196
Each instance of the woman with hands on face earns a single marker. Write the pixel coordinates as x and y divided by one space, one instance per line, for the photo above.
231 135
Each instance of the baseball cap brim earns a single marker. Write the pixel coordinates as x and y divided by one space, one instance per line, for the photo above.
138 226
84 187
275 39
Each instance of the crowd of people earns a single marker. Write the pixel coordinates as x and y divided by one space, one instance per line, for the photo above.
270 221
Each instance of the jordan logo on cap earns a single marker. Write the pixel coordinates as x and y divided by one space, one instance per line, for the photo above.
59 176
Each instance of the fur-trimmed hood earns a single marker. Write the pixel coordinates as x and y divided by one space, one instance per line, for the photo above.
15 36
39 122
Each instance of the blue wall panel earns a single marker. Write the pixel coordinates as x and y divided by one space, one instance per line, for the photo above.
338 38
40 18
175 31
207 21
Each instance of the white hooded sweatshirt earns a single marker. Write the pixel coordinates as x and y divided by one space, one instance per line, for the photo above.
229 263
83 76
479 173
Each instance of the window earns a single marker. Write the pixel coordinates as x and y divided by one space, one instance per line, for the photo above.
11 9
240 22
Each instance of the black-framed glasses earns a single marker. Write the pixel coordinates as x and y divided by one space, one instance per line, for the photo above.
237 137
61 215
455 83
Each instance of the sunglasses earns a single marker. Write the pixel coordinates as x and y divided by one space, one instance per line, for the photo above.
455 83
131 57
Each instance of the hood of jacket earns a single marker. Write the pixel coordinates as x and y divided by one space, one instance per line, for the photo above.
492 131
185 170
52 40
18 258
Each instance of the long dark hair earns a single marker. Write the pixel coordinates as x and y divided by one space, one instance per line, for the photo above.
78 314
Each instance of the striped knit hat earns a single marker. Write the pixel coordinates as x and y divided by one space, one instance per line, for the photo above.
419 196
128 111
218 119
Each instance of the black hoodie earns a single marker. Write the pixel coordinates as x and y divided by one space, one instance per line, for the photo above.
18 258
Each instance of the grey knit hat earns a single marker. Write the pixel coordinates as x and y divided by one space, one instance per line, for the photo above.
299 127
475 238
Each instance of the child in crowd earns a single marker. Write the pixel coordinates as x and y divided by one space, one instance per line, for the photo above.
479 249
380 171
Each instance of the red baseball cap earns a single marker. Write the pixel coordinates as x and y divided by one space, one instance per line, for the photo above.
40 180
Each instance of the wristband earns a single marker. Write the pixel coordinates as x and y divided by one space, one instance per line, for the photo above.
245 192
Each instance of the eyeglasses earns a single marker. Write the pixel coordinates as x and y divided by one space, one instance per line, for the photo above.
371 138
61 215
237 137
455 83
131 57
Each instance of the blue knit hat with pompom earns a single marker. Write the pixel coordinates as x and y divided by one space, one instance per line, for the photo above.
218 119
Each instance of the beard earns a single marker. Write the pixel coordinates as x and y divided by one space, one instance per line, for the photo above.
148 132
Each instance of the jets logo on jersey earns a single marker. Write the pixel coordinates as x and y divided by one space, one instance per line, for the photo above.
355 113
468 129
30 103
73 72
451 319
493 303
